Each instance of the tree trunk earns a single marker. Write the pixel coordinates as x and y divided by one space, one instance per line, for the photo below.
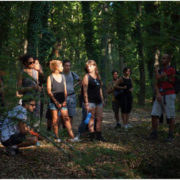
88 30
120 28
141 97
34 27
4 22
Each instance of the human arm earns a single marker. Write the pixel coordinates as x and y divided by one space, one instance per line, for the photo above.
131 89
118 82
21 90
77 78
110 88
65 93
101 94
85 89
158 95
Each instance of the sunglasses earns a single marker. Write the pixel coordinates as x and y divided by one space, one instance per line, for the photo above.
29 63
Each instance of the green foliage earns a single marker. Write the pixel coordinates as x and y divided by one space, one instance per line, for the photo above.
105 31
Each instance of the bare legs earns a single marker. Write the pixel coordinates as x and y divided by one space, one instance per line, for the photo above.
66 120
125 118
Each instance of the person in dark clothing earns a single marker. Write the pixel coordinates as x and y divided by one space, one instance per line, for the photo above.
28 83
125 97
93 98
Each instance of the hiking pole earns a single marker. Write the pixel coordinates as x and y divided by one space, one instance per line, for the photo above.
163 109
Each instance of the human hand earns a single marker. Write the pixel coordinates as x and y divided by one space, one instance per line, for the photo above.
37 65
64 104
159 98
59 106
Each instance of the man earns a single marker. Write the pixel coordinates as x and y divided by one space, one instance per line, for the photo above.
15 130
115 103
71 96
165 97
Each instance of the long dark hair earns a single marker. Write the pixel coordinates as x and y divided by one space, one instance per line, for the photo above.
24 59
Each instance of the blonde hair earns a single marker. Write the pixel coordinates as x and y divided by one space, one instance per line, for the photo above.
54 64
93 62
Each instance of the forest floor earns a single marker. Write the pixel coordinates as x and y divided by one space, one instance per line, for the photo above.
126 154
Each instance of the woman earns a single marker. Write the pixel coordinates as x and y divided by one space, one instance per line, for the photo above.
56 89
28 82
93 98
124 83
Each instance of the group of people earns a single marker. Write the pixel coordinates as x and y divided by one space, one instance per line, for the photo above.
62 102
16 132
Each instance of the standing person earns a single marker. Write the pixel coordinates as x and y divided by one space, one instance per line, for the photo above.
124 84
56 89
115 102
93 98
28 83
15 128
165 97
71 96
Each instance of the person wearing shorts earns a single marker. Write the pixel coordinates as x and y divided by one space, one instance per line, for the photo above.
56 90
165 97
93 99
15 133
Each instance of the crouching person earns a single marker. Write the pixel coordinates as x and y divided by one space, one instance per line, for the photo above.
15 132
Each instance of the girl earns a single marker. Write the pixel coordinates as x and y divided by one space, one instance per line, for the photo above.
93 98
56 89
125 84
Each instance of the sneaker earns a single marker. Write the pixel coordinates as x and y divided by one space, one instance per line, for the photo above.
129 126
118 125
169 139
57 140
125 127
153 136
38 144
76 139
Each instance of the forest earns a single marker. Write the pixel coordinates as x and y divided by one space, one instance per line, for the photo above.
115 35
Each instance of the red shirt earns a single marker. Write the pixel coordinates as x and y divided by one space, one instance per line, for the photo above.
166 85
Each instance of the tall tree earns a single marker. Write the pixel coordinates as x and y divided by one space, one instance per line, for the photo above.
141 97
34 27
4 22
88 30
